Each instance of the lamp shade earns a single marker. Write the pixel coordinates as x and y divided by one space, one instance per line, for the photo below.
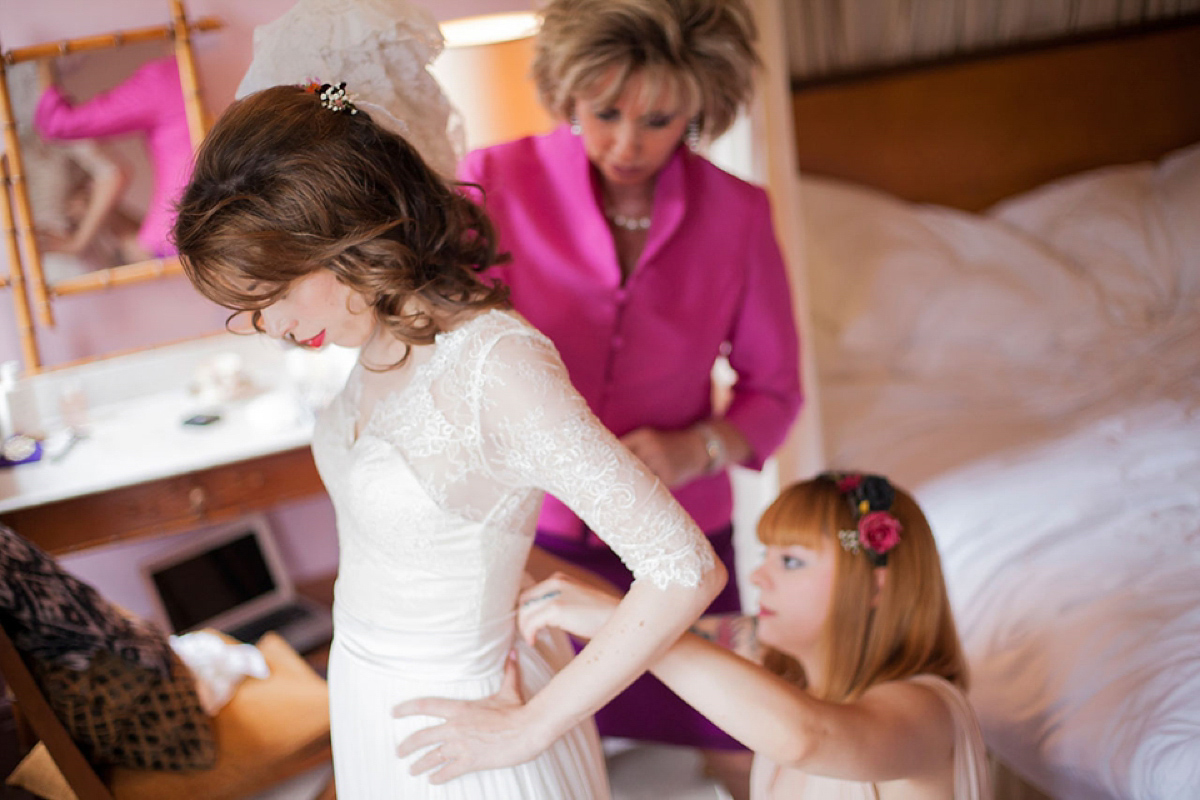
484 70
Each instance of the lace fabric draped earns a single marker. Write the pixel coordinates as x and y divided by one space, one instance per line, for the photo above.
381 49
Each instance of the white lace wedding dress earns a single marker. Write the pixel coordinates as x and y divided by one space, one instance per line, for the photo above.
436 497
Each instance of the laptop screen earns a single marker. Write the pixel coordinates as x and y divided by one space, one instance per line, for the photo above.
213 581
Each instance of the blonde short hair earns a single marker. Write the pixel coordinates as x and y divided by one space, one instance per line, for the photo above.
703 48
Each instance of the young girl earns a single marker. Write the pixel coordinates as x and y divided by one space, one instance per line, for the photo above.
863 691
328 228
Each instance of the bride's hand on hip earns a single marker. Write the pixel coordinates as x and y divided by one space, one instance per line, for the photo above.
476 734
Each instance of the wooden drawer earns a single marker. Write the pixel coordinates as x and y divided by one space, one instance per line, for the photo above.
170 505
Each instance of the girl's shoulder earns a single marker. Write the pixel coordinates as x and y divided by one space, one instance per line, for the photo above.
926 689
922 706
944 690
972 778
954 699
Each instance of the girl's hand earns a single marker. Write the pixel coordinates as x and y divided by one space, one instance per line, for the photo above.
566 603
477 734
676 457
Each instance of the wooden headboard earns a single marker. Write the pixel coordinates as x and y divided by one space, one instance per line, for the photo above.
974 131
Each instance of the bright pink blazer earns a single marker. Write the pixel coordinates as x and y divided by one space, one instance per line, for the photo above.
150 102
711 279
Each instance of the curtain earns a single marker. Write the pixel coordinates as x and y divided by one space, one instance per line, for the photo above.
834 36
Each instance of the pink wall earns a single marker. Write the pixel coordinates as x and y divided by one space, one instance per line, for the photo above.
94 324
169 310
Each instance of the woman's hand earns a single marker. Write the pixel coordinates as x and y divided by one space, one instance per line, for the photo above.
50 242
566 603
676 457
47 75
477 734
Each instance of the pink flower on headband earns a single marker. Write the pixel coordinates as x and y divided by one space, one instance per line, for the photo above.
848 483
879 531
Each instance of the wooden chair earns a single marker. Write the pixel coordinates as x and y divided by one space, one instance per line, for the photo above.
271 730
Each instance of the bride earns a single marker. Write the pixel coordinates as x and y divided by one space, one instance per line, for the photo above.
327 228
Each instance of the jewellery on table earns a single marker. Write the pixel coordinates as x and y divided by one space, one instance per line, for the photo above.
714 446
628 223
19 449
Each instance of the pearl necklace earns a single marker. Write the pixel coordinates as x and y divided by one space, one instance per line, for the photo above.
628 223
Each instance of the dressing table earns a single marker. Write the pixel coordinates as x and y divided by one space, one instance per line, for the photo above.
139 470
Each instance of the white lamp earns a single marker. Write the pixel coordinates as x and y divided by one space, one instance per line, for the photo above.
484 70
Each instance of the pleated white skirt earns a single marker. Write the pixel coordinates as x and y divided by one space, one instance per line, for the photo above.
371 670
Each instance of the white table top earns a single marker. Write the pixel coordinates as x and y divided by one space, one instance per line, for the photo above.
145 440
135 433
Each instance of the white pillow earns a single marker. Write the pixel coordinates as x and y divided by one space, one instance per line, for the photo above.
923 290
1133 229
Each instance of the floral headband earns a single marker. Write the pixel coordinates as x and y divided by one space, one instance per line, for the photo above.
870 498
333 96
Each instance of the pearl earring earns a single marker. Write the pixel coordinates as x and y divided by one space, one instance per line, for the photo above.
692 137
576 128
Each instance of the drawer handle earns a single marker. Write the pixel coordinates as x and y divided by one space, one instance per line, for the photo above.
197 499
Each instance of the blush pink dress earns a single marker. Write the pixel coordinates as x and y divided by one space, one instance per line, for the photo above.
971 778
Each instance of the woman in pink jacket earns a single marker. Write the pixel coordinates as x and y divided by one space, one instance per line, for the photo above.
644 262
149 102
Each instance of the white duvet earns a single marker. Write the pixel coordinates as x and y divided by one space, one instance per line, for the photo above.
1033 375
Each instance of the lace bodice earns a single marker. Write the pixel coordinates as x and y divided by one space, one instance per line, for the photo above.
437 496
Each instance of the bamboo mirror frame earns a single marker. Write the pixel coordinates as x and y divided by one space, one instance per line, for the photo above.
20 232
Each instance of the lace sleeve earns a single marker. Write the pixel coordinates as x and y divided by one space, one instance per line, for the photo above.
539 432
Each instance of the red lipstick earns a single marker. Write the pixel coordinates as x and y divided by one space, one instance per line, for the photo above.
315 341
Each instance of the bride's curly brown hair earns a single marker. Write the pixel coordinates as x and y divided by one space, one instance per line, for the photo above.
283 186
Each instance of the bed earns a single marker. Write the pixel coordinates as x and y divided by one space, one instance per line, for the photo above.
1003 267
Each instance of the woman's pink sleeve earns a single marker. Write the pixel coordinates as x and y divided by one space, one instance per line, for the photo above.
765 347
128 107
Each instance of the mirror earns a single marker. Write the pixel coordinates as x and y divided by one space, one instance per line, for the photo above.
14 280
98 134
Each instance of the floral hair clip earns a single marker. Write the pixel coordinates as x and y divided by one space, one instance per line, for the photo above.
333 96
870 498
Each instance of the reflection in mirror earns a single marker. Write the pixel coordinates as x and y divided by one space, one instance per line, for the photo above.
100 131
104 142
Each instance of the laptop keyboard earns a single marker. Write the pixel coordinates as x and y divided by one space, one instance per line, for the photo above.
253 630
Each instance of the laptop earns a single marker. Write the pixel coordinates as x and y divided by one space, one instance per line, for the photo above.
231 578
